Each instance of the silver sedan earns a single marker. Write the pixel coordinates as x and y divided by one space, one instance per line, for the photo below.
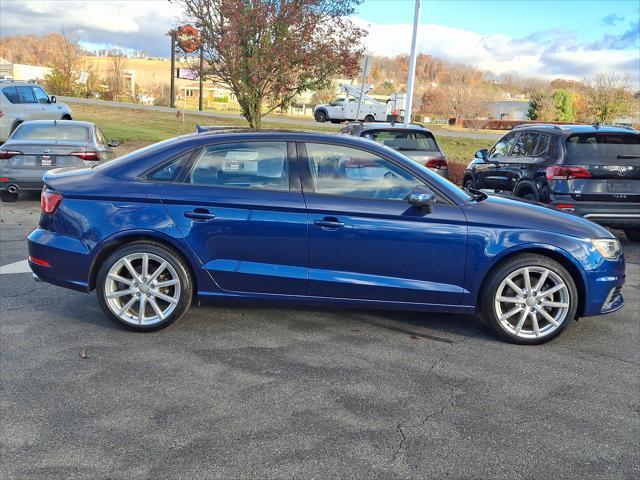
37 146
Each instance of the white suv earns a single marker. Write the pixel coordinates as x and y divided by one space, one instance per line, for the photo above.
22 101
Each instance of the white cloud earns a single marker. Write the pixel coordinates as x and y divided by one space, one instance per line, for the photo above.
143 24
551 54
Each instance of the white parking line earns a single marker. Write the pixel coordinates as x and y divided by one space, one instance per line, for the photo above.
17 267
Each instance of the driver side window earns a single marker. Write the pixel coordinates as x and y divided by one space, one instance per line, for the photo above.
346 171
502 148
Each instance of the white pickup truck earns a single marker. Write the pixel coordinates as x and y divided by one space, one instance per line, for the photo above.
346 108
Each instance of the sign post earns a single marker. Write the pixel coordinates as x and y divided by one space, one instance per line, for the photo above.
200 79
172 92
365 70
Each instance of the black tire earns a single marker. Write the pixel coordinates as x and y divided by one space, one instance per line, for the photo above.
633 234
165 253
8 197
468 183
66 117
369 119
501 272
320 116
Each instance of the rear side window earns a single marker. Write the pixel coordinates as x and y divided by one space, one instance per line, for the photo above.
11 94
169 172
26 95
403 140
525 145
602 148
260 165
51 131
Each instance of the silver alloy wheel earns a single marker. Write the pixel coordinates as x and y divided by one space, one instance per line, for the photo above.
142 289
532 302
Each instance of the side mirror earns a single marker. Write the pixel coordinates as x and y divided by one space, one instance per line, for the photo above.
422 197
482 154
52 99
113 143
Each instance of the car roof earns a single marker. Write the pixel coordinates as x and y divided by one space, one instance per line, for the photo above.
17 83
362 127
577 128
63 122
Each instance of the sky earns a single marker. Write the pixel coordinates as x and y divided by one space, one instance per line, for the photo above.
545 38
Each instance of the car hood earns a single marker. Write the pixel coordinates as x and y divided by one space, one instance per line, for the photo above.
503 212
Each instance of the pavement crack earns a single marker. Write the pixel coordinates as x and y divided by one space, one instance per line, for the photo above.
27 292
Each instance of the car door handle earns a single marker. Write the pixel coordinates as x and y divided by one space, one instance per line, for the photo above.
329 223
200 214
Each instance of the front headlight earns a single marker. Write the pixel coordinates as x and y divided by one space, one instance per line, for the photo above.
608 247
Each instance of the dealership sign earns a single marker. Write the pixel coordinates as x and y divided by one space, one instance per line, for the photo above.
186 73
188 38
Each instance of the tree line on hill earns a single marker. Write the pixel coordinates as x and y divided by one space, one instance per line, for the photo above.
443 89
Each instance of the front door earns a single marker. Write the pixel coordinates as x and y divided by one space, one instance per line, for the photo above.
241 210
366 242
490 173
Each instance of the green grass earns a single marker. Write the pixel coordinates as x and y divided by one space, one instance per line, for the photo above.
135 127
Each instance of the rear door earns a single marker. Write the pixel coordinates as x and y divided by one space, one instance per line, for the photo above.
608 165
367 243
241 210
490 173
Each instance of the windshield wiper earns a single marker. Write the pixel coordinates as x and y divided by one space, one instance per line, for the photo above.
628 156
477 195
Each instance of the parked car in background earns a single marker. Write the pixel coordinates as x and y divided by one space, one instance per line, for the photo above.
314 218
38 146
23 101
414 141
592 171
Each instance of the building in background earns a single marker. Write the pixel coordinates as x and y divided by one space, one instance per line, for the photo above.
17 71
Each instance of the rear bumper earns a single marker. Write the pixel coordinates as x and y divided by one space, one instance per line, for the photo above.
24 179
617 215
69 259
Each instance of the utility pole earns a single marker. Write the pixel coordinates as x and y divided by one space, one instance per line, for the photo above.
412 64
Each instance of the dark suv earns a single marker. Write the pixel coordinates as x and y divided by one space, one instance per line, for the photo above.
592 171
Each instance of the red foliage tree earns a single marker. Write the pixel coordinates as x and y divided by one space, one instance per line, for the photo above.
269 51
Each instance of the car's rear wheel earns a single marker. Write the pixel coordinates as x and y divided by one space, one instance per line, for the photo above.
144 286
369 119
529 299
320 116
8 197
633 234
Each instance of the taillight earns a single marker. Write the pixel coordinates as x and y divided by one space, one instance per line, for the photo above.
49 201
438 163
87 156
1 114
7 154
557 172
567 207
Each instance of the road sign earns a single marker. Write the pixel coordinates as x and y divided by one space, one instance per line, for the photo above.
84 77
365 65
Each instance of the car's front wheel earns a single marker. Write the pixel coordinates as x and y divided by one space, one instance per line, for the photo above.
529 299
633 234
144 286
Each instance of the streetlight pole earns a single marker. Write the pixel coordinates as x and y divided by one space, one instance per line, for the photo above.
412 64
173 69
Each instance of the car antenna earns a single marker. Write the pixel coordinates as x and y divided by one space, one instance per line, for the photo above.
55 123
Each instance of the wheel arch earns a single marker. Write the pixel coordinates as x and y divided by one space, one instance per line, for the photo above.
560 256
66 116
111 244
524 186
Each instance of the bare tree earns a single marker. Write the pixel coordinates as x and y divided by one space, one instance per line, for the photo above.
116 84
269 51
609 96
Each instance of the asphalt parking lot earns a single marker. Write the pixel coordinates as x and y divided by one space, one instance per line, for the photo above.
250 391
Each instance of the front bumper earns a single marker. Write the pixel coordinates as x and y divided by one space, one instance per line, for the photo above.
605 288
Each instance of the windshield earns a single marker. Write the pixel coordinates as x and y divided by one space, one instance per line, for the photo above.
404 139
602 148
51 131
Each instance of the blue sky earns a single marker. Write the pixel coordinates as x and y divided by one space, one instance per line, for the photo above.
571 39
590 19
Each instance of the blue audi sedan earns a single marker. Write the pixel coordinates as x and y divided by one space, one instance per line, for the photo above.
314 218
